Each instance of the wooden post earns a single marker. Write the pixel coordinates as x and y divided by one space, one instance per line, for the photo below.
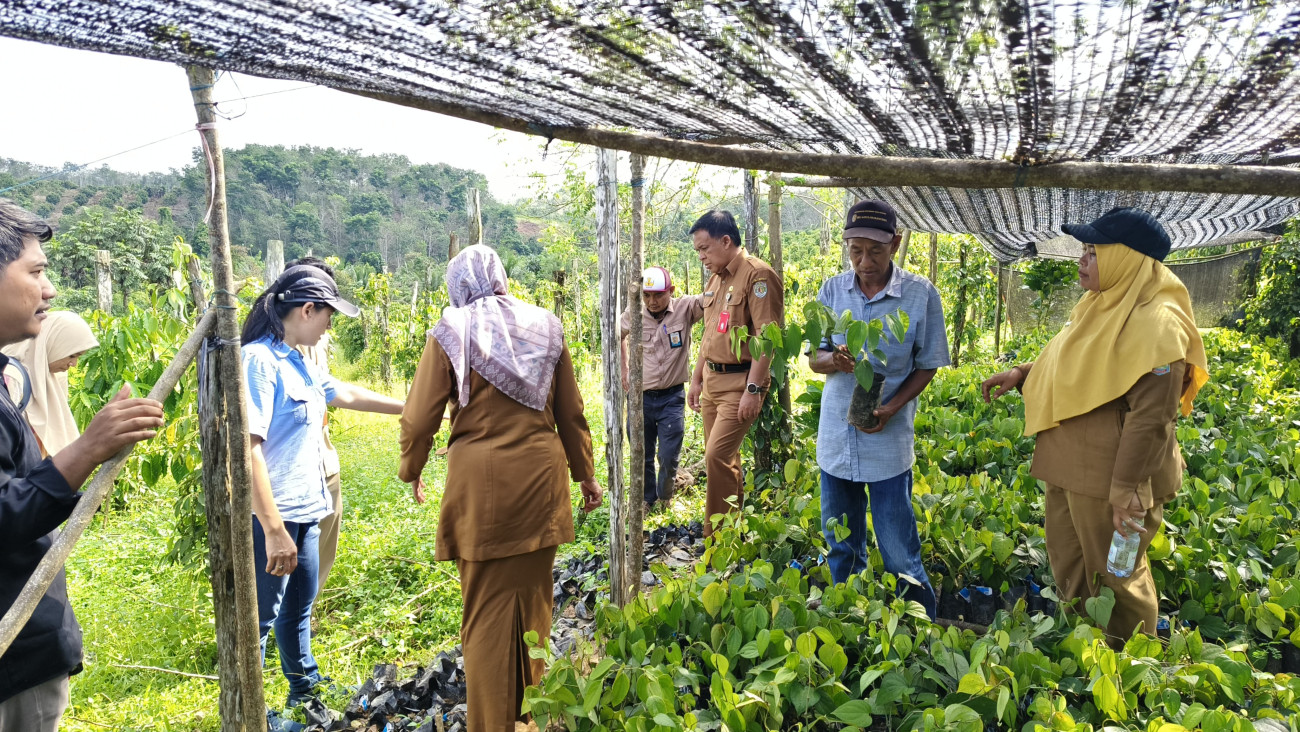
934 258
959 308
104 280
453 247
635 397
607 255
475 214
197 295
226 466
902 249
777 252
274 259
751 212
998 311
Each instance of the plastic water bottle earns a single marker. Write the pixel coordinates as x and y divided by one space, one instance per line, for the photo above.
1123 554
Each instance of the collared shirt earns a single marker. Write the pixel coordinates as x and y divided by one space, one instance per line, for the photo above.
666 342
746 292
319 355
287 396
842 449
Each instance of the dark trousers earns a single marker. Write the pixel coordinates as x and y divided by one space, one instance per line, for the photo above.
665 425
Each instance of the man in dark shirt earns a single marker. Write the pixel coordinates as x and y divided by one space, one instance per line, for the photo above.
37 495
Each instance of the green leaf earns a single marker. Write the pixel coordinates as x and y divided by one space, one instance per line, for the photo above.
1107 697
864 374
1004 697
856 712
712 598
971 683
1100 607
806 645
856 337
898 322
791 470
617 691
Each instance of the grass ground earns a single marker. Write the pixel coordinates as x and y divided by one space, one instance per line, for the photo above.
386 601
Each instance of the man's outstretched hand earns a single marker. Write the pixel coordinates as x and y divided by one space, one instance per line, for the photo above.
121 423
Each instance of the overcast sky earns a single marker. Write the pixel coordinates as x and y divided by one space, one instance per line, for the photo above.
73 106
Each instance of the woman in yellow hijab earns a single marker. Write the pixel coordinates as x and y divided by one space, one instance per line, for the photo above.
47 358
1102 400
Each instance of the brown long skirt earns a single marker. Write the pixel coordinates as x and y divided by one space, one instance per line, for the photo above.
503 599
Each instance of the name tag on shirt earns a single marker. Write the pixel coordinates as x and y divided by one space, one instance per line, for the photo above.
675 339
724 320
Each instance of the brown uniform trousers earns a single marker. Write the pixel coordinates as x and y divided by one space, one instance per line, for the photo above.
746 293
505 508
1102 459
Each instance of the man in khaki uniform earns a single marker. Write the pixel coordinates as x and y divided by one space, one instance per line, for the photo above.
729 391
666 323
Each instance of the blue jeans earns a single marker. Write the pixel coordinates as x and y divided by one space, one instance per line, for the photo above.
286 603
895 525
665 423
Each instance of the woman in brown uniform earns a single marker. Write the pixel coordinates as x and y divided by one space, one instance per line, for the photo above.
516 421
1102 399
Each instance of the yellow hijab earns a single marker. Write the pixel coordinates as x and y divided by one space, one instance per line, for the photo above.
1139 321
62 334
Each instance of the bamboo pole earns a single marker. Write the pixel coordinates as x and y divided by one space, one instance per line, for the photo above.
607 256
227 469
636 396
98 489
847 171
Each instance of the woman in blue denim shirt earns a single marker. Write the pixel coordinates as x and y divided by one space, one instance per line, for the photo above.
286 412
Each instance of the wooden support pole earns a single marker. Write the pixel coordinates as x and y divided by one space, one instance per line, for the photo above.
274 259
475 214
197 295
849 171
751 212
453 246
610 308
227 469
635 398
96 491
960 307
902 249
777 252
934 258
104 280
998 310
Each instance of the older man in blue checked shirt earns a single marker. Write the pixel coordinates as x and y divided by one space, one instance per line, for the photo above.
879 459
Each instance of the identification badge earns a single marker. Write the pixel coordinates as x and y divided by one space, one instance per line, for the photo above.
1161 370
675 339
724 320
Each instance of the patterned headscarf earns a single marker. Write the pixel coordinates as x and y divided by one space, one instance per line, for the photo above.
512 344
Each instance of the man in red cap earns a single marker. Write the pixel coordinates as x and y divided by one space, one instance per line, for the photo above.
666 344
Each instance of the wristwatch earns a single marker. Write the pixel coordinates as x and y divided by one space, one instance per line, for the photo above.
755 389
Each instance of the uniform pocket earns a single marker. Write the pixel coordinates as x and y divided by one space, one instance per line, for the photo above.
300 401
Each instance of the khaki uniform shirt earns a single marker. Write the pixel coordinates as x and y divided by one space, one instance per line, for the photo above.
1123 447
747 292
666 343
507 489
